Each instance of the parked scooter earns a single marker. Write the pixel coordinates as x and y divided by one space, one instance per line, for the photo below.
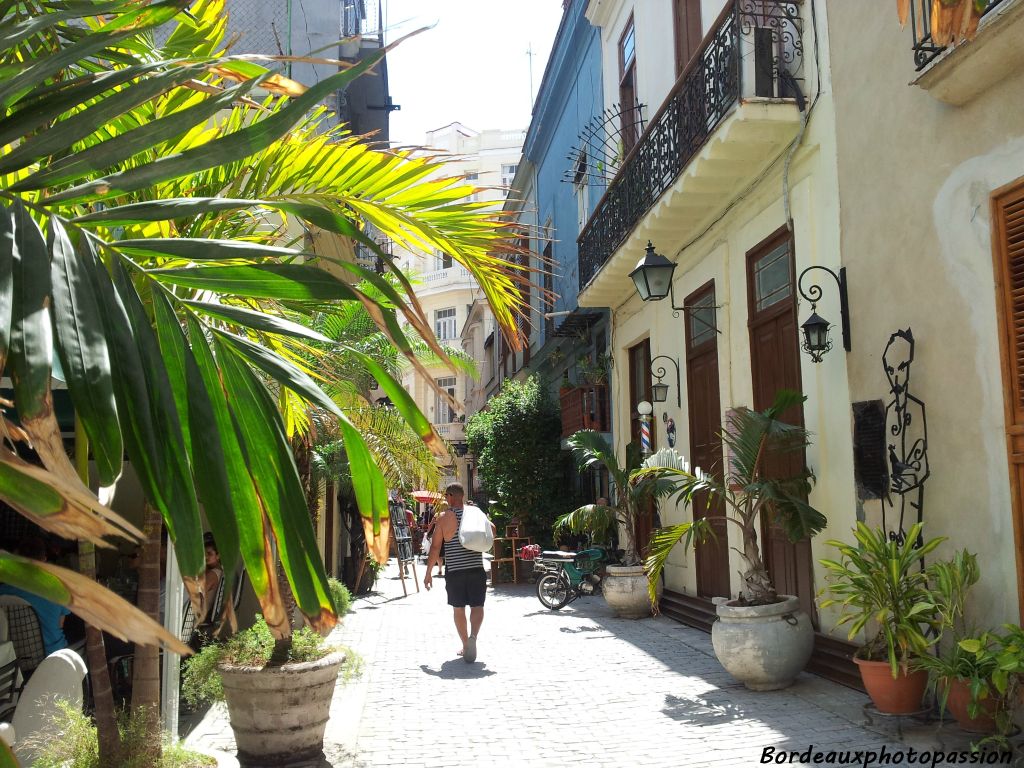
566 576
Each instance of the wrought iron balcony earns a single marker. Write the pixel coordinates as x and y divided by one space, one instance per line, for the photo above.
754 49
925 49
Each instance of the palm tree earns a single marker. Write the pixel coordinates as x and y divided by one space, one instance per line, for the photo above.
747 489
141 200
634 496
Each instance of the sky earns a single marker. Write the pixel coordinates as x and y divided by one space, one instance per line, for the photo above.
472 67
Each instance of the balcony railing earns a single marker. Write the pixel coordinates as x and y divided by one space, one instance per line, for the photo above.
752 40
925 49
585 408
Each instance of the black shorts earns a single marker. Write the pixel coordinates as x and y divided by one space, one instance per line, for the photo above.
466 587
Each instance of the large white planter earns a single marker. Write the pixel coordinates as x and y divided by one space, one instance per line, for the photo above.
625 590
763 646
279 714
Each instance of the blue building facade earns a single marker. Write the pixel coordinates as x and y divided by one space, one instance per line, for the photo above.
558 190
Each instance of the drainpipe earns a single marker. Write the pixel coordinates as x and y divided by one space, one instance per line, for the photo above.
289 37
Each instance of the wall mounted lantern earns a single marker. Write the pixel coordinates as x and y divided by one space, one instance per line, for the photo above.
652 277
816 341
659 391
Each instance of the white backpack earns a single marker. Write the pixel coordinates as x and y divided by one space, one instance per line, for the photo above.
475 531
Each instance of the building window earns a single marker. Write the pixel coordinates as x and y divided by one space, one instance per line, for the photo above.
581 183
772 277
701 314
508 173
630 111
474 179
443 411
444 324
442 260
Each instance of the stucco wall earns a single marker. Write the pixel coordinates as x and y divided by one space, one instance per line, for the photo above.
915 180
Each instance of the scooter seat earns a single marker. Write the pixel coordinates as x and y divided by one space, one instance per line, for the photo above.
558 555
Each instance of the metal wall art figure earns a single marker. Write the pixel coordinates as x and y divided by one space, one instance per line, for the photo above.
906 438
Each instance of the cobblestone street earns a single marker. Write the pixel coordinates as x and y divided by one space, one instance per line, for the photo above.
572 687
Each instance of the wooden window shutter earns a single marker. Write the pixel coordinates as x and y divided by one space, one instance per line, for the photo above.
1008 254
1009 249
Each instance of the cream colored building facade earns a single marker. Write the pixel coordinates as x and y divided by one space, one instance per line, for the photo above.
753 203
912 180
928 161
449 294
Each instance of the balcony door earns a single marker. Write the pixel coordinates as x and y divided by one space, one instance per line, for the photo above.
688 31
775 365
629 109
705 418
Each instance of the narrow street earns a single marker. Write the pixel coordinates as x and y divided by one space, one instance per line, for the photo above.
566 688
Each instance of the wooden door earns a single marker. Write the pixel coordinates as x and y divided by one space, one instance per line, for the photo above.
1008 253
688 31
775 365
640 389
705 418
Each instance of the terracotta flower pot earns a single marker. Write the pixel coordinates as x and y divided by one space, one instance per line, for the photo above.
958 701
900 695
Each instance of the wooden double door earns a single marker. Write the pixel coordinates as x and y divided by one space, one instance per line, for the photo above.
705 427
775 365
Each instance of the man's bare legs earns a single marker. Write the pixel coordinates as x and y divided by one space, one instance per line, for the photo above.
460 625
476 618
466 633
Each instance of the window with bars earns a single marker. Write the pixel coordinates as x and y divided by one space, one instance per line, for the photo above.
444 324
443 411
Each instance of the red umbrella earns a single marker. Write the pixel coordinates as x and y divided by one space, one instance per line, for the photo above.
427 497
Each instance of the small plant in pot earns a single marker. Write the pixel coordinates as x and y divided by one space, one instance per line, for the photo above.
961 673
761 637
625 586
879 582
997 674
278 704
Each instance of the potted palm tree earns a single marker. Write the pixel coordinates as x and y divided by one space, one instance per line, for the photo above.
879 582
762 638
625 586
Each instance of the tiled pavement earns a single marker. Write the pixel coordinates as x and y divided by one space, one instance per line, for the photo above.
566 688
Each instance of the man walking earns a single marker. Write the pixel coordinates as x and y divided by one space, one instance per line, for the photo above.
465 578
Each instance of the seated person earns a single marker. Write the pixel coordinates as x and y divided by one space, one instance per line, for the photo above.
51 615
212 580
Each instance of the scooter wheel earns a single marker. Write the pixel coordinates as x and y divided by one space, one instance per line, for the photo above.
553 591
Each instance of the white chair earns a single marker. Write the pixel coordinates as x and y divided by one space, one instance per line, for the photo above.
58 676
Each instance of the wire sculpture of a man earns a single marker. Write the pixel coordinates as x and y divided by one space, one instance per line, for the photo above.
906 438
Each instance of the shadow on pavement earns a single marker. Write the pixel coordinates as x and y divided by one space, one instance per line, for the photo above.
457 669
713 708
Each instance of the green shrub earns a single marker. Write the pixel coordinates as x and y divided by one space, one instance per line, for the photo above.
251 647
341 596
71 742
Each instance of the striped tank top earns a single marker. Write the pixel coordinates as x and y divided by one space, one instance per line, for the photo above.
456 556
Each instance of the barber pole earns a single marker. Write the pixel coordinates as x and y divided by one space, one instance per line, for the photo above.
645 435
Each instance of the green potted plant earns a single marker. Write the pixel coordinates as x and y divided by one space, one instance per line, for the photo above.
960 674
754 637
879 582
625 585
994 667
260 690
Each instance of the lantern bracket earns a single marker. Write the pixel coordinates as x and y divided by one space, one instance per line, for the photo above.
813 295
